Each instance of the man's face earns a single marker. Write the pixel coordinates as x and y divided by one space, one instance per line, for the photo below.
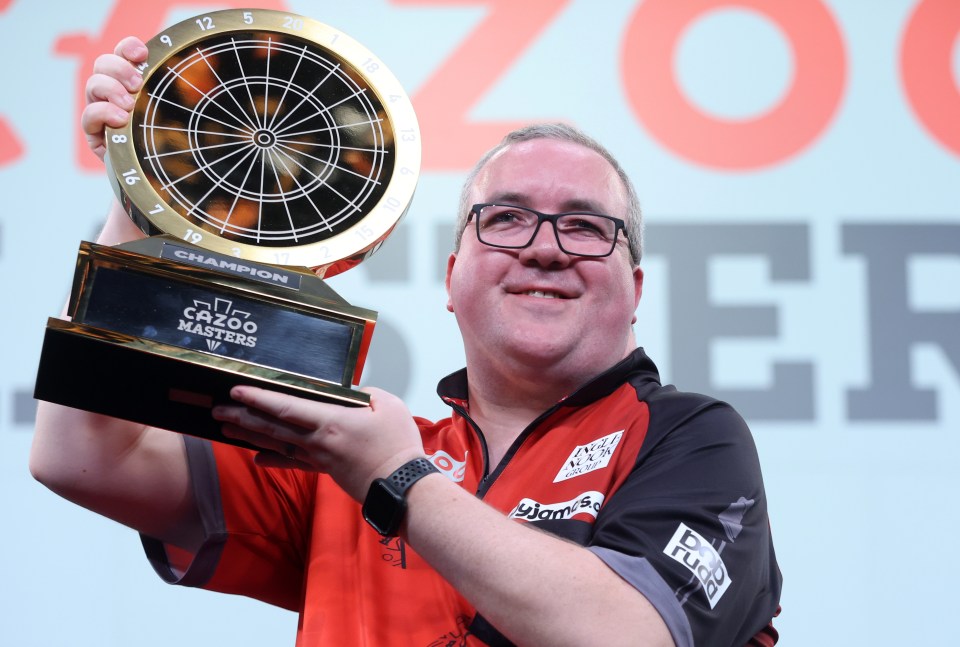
540 307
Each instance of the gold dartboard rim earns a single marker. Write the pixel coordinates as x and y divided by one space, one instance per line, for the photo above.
340 251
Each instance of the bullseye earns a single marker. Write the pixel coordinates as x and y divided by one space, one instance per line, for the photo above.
264 139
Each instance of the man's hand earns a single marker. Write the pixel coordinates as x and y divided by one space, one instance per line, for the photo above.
354 445
109 91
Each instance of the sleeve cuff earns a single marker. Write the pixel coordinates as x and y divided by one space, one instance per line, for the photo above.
180 567
638 572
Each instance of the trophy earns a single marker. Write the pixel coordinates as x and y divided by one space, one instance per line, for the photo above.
265 152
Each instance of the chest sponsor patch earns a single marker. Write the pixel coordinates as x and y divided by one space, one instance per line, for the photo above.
688 547
589 457
449 466
530 510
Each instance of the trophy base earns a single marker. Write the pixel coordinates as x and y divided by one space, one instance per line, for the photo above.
157 384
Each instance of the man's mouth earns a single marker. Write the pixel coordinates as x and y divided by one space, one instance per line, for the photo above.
541 294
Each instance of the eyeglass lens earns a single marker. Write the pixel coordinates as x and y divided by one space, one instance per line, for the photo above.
579 233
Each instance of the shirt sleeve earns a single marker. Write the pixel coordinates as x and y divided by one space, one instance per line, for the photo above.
689 526
256 525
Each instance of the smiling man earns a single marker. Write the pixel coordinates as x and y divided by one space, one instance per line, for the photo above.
587 504
538 322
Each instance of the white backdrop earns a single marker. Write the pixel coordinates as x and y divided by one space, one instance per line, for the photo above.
799 166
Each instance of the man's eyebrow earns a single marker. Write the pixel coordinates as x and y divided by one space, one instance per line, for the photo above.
509 198
573 204
583 205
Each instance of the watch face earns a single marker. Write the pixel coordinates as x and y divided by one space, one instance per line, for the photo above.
267 136
383 508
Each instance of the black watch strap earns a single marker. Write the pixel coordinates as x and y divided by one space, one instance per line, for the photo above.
386 502
409 473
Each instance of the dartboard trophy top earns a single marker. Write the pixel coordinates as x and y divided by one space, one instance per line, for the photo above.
266 150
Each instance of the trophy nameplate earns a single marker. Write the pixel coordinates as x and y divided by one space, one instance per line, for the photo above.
265 151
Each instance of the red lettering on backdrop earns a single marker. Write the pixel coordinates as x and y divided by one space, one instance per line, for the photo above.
735 144
128 18
926 69
10 147
451 141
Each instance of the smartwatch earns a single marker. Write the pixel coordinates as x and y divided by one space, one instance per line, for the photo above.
386 501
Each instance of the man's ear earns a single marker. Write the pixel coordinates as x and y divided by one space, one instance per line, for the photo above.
637 289
450 262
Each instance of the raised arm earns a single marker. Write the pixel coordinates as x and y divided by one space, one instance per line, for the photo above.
133 474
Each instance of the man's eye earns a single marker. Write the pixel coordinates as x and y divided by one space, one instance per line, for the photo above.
582 226
586 224
506 217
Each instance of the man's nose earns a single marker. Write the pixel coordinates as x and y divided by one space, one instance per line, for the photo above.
544 249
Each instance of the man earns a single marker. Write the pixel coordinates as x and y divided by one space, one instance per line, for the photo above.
592 506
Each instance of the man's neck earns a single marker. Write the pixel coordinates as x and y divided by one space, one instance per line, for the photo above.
503 408
501 426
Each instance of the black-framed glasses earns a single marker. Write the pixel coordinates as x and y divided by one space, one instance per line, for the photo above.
578 233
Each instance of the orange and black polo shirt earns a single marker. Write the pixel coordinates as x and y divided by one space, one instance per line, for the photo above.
665 487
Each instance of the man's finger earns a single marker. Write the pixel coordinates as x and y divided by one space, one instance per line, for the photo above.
295 411
132 49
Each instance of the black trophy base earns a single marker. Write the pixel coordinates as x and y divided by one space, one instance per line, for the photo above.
156 384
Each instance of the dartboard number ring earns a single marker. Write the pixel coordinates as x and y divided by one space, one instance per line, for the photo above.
267 136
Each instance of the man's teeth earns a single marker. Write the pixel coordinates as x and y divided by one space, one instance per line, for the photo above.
543 295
